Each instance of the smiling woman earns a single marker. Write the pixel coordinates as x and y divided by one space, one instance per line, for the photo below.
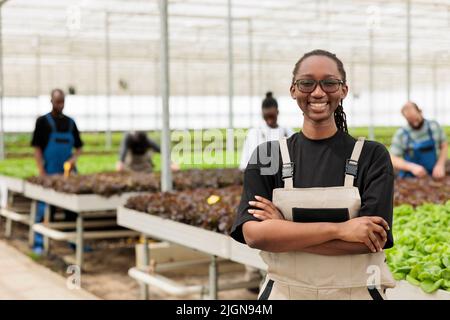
322 218
319 105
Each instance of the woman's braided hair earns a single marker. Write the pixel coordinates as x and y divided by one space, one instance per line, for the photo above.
339 114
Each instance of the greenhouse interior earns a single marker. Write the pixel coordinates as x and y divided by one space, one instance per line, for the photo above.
224 150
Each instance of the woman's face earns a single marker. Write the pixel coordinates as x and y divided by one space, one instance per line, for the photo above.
318 106
270 116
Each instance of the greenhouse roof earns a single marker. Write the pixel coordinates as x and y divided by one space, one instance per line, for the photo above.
51 43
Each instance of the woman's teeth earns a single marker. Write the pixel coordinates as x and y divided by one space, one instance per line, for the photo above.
318 106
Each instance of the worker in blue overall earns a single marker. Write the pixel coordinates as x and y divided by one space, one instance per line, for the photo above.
54 138
420 148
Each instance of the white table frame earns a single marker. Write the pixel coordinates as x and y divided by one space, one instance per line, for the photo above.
83 205
212 243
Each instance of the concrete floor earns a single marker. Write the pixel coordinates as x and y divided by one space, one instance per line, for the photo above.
23 279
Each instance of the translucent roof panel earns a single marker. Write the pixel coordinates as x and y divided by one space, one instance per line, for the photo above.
50 43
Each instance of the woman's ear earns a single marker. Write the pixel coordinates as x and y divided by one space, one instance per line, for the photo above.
292 91
344 91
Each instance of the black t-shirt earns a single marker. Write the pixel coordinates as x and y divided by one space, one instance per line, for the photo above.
321 163
42 130
138 144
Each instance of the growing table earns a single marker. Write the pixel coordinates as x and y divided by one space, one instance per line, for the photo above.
209 242
84 205
12 187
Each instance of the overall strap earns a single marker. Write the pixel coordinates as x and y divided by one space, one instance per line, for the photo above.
430 132
408 137
51 122
351 167
288 166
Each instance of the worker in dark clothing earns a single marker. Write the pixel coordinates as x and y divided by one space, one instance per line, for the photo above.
54 138
135 153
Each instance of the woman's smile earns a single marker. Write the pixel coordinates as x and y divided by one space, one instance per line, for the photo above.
318 107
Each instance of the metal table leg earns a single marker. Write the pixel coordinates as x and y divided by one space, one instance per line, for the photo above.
144 287
8 228
213 278
9 204
79 242
46 239
33 209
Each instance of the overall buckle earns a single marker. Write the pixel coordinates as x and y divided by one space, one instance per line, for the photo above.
351 167
287 170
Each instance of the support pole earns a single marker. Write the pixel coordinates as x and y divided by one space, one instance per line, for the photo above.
166 176
213 281
2 88
250 71
38 72
146 260
9 204
435 89
186 93
156 92
108 141
46 221
8 227
230 135
32 220
79 241
408 50
352 79
371 106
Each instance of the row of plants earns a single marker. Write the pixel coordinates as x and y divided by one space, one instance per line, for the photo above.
114 183
415 191
210 209
421 254
421 227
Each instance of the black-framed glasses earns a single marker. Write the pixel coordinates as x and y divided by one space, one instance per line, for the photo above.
327 85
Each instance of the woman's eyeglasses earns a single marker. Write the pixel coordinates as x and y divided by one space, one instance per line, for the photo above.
327 85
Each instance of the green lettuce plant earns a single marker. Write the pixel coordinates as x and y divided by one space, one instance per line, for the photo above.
421 254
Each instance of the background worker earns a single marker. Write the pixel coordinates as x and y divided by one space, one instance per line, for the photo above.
420 148
267 131
54 138
136 153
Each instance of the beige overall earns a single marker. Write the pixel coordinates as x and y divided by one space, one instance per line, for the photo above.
301 275
138 163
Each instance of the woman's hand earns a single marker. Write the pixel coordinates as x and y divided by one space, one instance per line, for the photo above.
266 209
368 230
